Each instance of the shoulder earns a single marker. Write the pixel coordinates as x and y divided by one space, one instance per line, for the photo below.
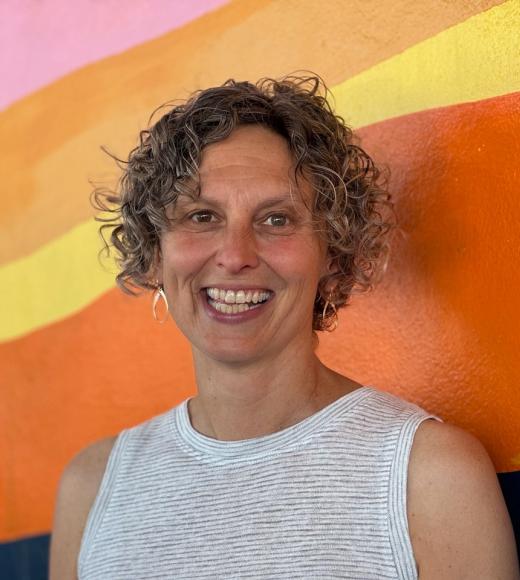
77 490
91 461
458 520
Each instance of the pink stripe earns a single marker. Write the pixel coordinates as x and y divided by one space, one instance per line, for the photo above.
44 40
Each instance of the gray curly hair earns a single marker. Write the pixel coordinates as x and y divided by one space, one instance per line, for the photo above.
351 202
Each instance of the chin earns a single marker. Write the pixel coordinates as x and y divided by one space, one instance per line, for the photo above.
233 355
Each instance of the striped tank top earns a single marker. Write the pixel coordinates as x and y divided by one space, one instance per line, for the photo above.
324 498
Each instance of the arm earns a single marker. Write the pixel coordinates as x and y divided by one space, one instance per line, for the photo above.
459 524
77 490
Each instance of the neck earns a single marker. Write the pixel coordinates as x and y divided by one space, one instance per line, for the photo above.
242 401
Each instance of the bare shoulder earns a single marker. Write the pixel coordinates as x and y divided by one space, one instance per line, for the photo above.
459 524
77 490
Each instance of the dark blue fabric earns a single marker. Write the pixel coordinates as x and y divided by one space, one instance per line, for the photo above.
510 484
26 559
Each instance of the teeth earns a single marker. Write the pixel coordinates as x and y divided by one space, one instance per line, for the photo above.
213 293
230 308
237 297
230 297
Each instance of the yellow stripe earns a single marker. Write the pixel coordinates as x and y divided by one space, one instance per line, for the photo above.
474 60
59 279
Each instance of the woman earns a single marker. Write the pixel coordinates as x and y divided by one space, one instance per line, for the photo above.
253 217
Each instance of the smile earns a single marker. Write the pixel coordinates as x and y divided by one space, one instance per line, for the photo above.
236 301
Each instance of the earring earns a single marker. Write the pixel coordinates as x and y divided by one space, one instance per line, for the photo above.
324 315
158 294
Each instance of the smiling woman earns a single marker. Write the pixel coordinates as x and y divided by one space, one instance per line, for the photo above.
253 214
318 153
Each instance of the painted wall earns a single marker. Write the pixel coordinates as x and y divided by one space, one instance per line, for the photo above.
435 94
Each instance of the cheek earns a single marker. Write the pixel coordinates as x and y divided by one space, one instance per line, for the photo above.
182 256
300 263
300 255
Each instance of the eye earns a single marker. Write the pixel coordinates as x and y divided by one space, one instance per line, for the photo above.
202 217
277 220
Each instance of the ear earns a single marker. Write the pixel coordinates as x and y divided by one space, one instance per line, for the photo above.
331 266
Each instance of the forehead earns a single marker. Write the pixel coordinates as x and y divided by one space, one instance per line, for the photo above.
249 152
253 159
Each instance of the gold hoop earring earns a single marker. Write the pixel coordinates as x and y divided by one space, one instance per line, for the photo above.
324 315
158 294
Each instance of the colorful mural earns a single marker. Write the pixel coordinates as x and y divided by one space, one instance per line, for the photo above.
435 95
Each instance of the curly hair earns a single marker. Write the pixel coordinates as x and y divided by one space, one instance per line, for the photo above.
350 198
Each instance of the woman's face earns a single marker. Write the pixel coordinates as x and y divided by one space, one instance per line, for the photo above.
241 263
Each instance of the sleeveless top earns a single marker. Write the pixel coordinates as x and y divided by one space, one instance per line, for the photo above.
324 498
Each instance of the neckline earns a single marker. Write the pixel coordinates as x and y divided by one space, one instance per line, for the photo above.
263 445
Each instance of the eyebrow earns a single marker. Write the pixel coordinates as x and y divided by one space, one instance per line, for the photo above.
279 200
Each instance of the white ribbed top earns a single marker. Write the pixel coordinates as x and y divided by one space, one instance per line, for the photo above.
325 498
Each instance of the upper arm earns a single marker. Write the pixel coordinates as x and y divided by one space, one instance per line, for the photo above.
77 490
459 524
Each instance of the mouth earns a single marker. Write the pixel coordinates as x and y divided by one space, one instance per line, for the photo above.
236 301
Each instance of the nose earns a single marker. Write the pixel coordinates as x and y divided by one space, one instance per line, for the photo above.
237 250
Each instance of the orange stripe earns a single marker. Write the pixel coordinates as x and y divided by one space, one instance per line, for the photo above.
442 331
51 139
